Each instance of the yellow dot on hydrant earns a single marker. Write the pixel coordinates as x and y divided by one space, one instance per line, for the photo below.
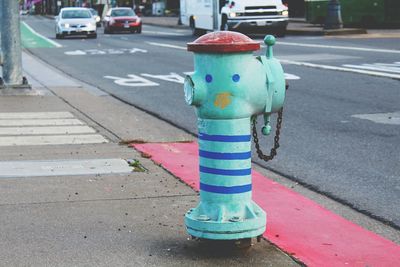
222 100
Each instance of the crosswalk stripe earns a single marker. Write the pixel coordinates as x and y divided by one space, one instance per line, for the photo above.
51 140
45 128
40 122
21 169
36 115
55 130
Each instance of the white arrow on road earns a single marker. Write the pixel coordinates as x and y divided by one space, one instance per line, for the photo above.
131 81
75 53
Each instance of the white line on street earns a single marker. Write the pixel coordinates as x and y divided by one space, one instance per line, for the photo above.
40 122
377 67
14 169
164 33
383 118
306 64
36 115
327 67
41 36
51 140
341 47
167 45
53 130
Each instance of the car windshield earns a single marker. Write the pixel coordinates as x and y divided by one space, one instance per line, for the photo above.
122 13
94 12
76 14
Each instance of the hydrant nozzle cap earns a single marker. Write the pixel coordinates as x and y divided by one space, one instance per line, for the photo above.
223 42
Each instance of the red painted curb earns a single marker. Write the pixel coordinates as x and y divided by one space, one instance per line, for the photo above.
297 225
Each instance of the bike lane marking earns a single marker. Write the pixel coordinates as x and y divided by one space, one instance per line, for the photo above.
297 225
32 39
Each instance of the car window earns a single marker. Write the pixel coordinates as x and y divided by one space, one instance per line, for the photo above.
76 14
94 12
122 12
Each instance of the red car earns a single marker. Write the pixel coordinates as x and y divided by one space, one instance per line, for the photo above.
122 19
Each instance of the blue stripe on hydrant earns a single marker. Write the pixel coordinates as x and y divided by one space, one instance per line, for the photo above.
227 156
237 172
225 138
225 189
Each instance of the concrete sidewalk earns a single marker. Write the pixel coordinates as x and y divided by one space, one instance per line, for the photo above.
77 195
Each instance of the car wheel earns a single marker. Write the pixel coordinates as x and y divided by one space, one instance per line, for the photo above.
281 32
92 36
59 36
139 30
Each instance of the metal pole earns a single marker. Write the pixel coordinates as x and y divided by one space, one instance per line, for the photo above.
334 16
215 15
11 43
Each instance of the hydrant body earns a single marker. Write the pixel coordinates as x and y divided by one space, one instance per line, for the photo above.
228 88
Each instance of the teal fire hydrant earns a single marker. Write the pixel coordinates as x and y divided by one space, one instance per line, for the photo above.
228 88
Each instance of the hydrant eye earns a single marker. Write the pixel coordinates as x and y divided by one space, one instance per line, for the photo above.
209 78
236 78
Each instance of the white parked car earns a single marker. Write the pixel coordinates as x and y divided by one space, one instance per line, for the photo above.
75 21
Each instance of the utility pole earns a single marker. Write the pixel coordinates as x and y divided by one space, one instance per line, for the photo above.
215 15
11 45
334 16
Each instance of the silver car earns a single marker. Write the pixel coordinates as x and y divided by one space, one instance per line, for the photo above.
75 21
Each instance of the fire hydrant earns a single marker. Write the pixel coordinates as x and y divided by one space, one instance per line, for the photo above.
229 88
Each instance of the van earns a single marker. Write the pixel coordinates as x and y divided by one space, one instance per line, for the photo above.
239 15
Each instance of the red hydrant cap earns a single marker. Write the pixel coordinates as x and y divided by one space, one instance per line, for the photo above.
223 42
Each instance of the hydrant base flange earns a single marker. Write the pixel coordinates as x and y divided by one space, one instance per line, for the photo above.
226 227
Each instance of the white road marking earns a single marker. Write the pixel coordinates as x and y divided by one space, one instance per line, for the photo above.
172 77
327 67
110 51
14 169
289 76
382 118
395 67
340 47
51 140
316 57
132 81
36 115
40 122
306 64
45 128
75 53
167 45
164 33
54 130
41 36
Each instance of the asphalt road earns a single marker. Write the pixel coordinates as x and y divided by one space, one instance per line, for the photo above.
331 140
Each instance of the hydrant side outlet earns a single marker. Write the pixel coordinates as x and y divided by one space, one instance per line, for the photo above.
228 87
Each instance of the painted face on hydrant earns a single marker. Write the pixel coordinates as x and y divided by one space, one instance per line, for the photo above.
229 82
226 84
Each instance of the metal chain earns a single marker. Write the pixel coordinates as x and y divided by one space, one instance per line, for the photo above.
273 152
